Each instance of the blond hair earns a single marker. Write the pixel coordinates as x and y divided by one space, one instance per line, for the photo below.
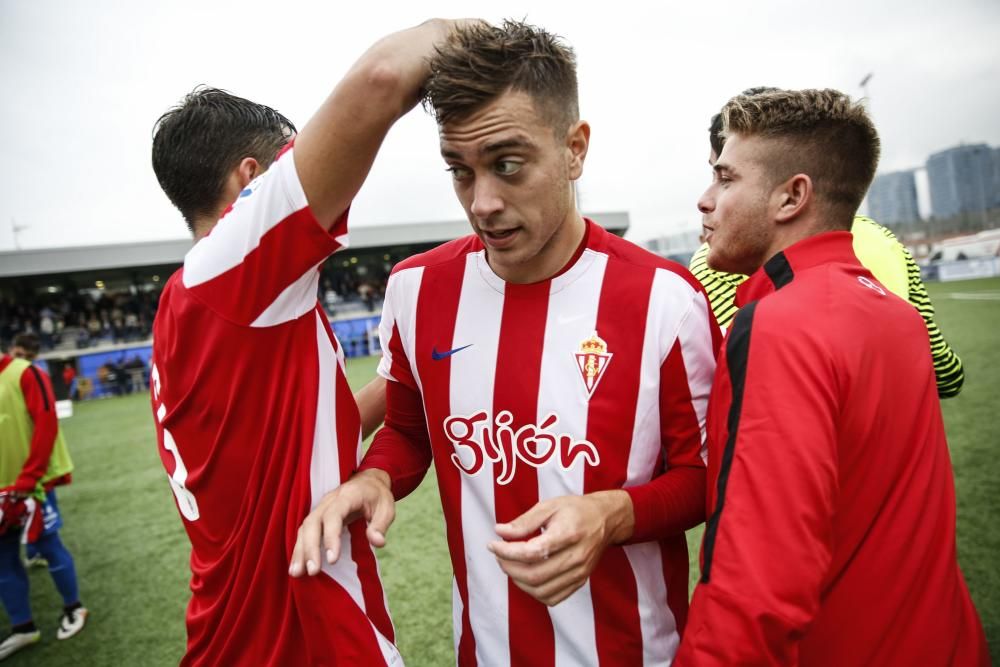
821 133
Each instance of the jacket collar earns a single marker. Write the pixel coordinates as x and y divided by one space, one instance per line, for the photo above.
824 248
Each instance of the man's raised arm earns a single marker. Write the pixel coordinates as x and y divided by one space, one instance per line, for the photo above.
335 150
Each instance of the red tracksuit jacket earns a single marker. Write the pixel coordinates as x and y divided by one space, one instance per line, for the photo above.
831 538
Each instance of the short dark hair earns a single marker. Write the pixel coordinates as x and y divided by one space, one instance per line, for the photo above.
715 127
198 142
821 133
29 342
481 62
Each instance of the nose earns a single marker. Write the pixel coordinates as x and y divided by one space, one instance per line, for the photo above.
706 203
486 199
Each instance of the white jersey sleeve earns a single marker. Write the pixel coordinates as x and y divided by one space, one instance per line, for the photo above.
258 266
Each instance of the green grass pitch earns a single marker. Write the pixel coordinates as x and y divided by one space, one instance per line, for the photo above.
131 551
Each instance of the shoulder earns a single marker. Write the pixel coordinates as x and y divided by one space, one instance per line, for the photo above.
32 376
175 299
834 305
865 225
270 212
874 243
174 282
868 233
174 285
443 254
13 365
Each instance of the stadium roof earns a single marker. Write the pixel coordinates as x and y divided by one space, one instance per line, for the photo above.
122 255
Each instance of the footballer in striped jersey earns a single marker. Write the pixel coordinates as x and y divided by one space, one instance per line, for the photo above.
555 375
254 417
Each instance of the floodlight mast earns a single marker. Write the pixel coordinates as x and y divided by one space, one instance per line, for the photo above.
866 98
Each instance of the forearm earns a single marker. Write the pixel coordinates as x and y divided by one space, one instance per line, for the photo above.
674 500
619 516
371 406
669 504
393 70
395 455
40 404
336 148
376 474
34 468
402 448
948 371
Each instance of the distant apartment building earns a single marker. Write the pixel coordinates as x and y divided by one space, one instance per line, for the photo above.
996 177
892 198
962 180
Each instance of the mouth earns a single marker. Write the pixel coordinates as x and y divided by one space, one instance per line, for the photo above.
499 238
499 233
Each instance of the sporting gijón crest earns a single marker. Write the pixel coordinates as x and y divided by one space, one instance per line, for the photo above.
592 359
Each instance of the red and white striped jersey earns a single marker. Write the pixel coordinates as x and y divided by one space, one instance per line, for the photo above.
255 423
595 379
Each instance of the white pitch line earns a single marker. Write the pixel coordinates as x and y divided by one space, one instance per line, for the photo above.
974 296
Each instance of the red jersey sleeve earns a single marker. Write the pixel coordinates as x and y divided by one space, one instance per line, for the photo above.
402 447
767 546
40 402
259 265
674 501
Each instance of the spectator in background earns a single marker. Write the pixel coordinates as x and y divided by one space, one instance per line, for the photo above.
106 378
367 293
76 316
26 346
93 328
69 379
47 329
33 461
123 385
117 324
131 326
135 372
82 338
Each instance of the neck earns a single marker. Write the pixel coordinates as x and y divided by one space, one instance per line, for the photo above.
791 233
205 224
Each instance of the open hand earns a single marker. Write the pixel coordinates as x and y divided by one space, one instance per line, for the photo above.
367 494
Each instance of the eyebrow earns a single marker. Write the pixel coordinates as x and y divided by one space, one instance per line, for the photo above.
719 168
495 147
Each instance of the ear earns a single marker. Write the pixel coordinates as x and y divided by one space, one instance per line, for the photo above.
247 170
577 143
792 198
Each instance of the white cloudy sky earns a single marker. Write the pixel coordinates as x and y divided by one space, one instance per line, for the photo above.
83 82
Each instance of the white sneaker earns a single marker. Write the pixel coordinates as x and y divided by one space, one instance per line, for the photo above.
17 641
71 622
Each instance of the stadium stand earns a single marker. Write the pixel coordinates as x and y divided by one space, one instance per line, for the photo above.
93 306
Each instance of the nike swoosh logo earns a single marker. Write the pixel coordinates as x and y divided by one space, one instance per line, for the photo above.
438 356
